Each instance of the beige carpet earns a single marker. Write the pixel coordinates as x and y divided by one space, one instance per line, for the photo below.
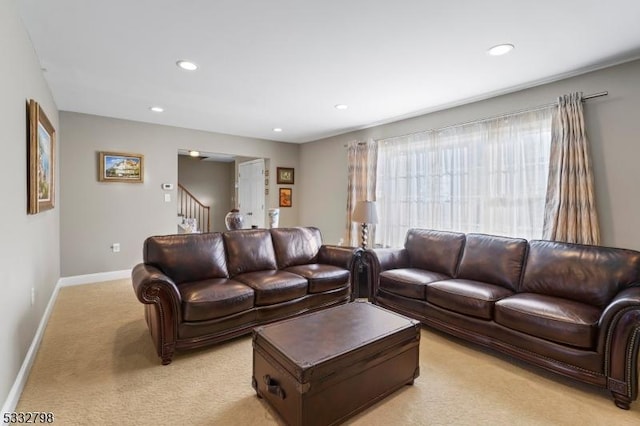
96 365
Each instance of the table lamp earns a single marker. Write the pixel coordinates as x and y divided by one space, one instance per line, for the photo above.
365 213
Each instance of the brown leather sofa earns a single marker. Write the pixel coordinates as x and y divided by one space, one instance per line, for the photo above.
572 309
200 289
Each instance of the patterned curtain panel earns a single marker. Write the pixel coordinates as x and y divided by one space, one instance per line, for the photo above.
362 164
570 208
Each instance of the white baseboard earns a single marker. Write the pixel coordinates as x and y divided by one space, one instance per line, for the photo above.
23 373
94 278
21 379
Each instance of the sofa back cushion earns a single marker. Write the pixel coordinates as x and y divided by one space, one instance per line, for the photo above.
249 250
435 251
296 246
493 259
187 257
588 274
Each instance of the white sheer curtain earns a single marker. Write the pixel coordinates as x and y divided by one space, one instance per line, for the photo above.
488 176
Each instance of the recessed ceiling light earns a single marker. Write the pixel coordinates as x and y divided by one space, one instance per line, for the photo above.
156 109
500 49
341 106
194 153
187 65
277 129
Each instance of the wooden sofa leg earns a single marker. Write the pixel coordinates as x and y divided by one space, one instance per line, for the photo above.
167 354
621 401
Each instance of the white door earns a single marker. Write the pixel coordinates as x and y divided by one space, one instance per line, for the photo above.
251 193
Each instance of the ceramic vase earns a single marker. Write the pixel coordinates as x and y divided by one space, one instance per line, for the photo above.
274 218
233 220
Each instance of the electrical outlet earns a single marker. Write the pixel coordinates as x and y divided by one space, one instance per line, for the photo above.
115 247
33 296
167 198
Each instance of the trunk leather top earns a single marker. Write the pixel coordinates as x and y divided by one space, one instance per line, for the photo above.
320 343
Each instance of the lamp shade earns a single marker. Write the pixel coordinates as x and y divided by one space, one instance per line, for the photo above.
365 212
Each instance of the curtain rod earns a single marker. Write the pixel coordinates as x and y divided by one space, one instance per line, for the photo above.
539 107
594 95
584 98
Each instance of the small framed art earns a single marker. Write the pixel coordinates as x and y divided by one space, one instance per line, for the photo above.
285 175
121 167
285 197
41 180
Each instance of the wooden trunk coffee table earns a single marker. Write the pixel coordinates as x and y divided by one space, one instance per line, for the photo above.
324 367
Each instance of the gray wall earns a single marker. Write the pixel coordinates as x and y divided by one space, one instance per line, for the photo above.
94 214
29 244
613 126
211 183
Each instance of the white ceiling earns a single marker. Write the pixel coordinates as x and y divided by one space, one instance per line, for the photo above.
286 63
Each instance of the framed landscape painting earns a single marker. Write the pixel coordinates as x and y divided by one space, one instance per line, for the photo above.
121 167
41 158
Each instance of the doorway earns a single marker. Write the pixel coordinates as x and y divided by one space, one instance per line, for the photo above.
251 187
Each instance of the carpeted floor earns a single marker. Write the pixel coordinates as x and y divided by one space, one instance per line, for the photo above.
97 366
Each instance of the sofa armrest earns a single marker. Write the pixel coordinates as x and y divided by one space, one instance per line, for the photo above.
164 313
388 258
628 297
343 257
620 339
380 260
338 255
148 281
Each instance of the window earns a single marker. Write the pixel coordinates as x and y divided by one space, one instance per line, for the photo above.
488 176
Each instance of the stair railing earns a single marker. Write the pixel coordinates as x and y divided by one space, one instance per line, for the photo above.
190 207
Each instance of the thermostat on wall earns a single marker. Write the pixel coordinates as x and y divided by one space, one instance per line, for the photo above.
167 186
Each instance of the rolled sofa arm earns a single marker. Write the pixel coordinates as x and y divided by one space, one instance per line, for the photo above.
156 289
382 259
343 257
148 281
620 340
628 297
388 258
338 255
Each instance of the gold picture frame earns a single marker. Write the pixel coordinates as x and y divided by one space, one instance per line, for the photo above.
41 152
121 167
285 175
285 197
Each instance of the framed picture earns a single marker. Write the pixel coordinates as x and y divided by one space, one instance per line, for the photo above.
285 197
41 150
285 175
121 167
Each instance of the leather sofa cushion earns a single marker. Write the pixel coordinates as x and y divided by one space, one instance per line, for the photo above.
215 298
587 274
322 277
274 286
249 250
408 282
436 251
296 246
550 318
187 257
466 297
493 259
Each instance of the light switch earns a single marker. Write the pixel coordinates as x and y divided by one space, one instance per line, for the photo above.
167 198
